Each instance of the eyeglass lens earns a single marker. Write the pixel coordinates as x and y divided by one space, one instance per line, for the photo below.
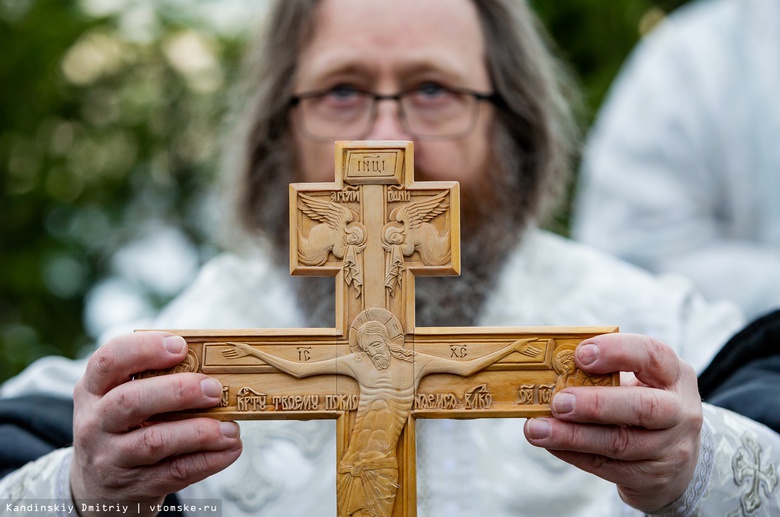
424 112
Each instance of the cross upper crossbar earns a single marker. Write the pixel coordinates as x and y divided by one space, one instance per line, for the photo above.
375 229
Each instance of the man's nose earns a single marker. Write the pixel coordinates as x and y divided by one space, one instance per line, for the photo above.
387 125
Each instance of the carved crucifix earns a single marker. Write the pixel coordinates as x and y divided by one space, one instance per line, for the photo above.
375 229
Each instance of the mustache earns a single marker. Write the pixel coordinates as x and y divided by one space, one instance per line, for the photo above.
381 361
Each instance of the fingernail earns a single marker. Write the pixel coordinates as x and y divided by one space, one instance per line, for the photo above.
538 428
587 354
211 387
174 344
563 403
229 429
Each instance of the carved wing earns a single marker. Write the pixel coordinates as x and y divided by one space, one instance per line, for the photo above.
336 216
423 211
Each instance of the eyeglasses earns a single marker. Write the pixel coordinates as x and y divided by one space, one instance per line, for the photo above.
429 111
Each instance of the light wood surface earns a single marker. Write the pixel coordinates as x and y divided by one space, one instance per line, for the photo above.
374 229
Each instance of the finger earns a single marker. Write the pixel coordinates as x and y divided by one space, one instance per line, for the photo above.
644 485
637 406
118 360
614 442
653 362
622 473
153 444
128 405
179 472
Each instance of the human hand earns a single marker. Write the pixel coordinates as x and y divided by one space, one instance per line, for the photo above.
118 455
644 435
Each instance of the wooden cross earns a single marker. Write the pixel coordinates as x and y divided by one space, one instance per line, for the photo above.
375 229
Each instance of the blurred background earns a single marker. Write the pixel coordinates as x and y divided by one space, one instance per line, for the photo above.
111 115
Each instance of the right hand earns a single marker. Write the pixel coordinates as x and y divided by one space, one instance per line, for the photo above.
121 457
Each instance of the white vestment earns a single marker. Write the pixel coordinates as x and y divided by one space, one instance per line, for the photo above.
465 468
682 168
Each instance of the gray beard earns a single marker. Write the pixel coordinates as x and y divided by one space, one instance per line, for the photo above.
381 361
439 301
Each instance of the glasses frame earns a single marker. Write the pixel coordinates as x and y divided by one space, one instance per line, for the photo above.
295 101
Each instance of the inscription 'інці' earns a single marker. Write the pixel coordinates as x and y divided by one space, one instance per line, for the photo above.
368 163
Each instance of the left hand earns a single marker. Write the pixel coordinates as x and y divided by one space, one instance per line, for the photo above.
643 435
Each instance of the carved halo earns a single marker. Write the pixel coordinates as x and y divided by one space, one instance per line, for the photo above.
394 329
189 364
563 357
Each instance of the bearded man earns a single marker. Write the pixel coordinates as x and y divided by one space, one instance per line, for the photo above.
348 69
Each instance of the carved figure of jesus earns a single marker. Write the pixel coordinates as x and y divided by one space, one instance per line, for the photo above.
368 470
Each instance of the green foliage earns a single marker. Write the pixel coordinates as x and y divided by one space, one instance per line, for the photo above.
102 132
108 126
595 37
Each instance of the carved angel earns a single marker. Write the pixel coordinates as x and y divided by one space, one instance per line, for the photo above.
337 233
410 231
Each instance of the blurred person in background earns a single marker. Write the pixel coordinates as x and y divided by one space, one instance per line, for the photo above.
681 172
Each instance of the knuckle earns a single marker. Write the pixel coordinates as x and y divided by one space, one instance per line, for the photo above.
103 361
656 353
683 456
596 406
650 409
154 440
696 419
126 403
182 389
179 470
598 462
661 358
85 428
204 435
619 442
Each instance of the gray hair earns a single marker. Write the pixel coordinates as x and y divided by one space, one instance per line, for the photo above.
534 138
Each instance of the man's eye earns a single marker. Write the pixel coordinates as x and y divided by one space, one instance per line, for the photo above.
344 92
431 90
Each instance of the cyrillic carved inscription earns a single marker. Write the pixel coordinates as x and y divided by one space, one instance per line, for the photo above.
478 397
296 403
249 400
225 400
528 394
348 195
436 401
341 402
398 194
459 351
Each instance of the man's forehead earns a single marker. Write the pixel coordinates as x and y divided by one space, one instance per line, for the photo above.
334 63
400 38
